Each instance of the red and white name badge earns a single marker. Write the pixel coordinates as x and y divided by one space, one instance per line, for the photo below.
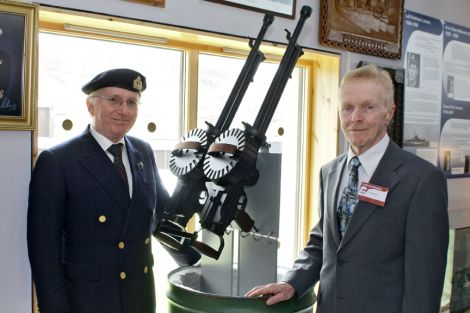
372 193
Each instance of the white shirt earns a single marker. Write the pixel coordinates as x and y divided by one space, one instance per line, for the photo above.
105 143
369 161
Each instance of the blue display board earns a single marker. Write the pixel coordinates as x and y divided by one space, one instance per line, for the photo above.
437 92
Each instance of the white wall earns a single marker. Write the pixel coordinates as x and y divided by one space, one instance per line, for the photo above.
214 17
203 15
455 11
209 16
15 170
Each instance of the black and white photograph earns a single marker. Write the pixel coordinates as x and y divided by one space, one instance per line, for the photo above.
450 86
413 65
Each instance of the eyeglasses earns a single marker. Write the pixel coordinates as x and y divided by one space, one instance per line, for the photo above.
117 100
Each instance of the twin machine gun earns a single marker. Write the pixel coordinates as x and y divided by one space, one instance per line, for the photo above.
215 165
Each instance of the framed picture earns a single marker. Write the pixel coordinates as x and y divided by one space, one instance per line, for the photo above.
157 3
18 42
370 27
284 8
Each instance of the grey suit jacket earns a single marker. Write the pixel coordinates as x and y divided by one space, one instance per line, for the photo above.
392 259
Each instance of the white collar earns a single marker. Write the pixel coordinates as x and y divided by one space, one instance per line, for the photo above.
104 142
372 156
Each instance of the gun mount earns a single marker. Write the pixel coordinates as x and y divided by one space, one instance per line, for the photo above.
215 165
230 161
186 161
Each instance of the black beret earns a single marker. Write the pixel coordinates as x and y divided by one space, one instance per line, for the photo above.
119 77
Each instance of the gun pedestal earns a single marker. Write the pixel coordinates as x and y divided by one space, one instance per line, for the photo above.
247 260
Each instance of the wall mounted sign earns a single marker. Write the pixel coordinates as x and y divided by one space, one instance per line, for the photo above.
437 103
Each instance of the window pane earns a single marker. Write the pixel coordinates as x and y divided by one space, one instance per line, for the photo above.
62 73
217 75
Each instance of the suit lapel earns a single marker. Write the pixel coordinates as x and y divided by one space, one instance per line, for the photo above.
385 175
137 166
332 190
138 179
99 166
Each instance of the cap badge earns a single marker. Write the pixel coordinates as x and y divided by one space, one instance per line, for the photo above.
137 84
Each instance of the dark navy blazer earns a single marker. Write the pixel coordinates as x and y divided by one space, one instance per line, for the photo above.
89 242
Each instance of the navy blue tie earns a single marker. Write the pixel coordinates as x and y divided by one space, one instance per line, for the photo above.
349 198
116 151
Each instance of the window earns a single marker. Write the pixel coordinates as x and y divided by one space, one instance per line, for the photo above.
62 72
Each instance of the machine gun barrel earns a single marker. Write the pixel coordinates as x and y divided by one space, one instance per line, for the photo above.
244 79
231 160
186 160
284 72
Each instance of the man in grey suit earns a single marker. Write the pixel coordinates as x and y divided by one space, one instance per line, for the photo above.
92 202
384 250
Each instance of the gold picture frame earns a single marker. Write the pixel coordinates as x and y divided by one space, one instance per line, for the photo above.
18 56
364 26
156 3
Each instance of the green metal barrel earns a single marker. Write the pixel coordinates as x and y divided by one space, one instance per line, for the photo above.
185 296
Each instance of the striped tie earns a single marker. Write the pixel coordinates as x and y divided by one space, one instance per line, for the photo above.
116 151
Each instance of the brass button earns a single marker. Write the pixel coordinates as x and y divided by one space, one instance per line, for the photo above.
121 245
102 219
147 240
146 269
122 275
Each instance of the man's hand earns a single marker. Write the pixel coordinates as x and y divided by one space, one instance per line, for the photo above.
276 292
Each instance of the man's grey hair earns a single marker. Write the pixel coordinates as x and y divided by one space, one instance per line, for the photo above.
372 72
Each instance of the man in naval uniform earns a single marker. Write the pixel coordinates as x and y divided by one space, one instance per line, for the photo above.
93 204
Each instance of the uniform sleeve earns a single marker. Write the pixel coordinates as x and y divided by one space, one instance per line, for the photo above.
427 238
306 270
46 214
